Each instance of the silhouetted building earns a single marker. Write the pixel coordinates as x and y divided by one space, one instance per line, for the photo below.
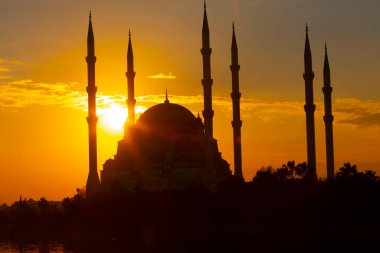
328 118
93 182
309 106
235 95
168 147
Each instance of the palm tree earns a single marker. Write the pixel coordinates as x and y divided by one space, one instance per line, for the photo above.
291 167
347 171
370 174
301 169
282 173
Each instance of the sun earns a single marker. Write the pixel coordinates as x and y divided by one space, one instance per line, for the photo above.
113 117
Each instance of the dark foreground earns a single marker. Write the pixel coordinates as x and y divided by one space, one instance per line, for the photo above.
261 216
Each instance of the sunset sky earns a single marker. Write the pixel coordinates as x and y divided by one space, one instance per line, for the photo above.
43 78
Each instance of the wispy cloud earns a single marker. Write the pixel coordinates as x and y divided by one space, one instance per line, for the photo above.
360 113
365 120
6 67
2 69
265 110
173 99
162 76
21 93
11 62
356 112
15 62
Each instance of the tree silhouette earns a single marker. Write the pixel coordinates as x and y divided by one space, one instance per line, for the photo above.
43 204
370 174
347 171
301 169
265 176
350 172
291 167
290 171
282 173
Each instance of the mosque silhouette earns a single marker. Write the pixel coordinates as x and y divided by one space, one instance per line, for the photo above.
170 148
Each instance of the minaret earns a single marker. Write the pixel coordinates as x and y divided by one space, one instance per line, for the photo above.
93 183
328 118
131 101
208 113
235 95
309 107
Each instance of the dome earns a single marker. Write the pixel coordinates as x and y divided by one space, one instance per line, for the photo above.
167 119
166 112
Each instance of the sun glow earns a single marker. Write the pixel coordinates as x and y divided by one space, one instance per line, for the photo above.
113 117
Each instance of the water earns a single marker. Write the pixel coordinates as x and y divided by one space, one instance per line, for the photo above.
42 247
80 246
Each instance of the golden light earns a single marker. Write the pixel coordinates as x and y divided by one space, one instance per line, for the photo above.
139 110
113 117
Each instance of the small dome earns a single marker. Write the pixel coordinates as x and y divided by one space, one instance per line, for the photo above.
108 164
167 119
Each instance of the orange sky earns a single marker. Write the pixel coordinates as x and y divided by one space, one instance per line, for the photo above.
43 131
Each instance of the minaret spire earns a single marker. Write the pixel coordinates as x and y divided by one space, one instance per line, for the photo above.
328 118
235 95
93 183
131 101
90 39
207 81
166 96
309 106
326 69
307 53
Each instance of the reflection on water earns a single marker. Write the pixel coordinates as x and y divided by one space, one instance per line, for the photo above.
42 247
58 247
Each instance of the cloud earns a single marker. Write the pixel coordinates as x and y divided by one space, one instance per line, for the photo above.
365 120
352 111
263 109
26 92
356 112
172 98
11 62
14 62
162 76
21 93
2 69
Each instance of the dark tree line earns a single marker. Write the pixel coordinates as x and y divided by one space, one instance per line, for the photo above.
283 209
302 172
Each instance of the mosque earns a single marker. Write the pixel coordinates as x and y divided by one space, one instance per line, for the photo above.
168 147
